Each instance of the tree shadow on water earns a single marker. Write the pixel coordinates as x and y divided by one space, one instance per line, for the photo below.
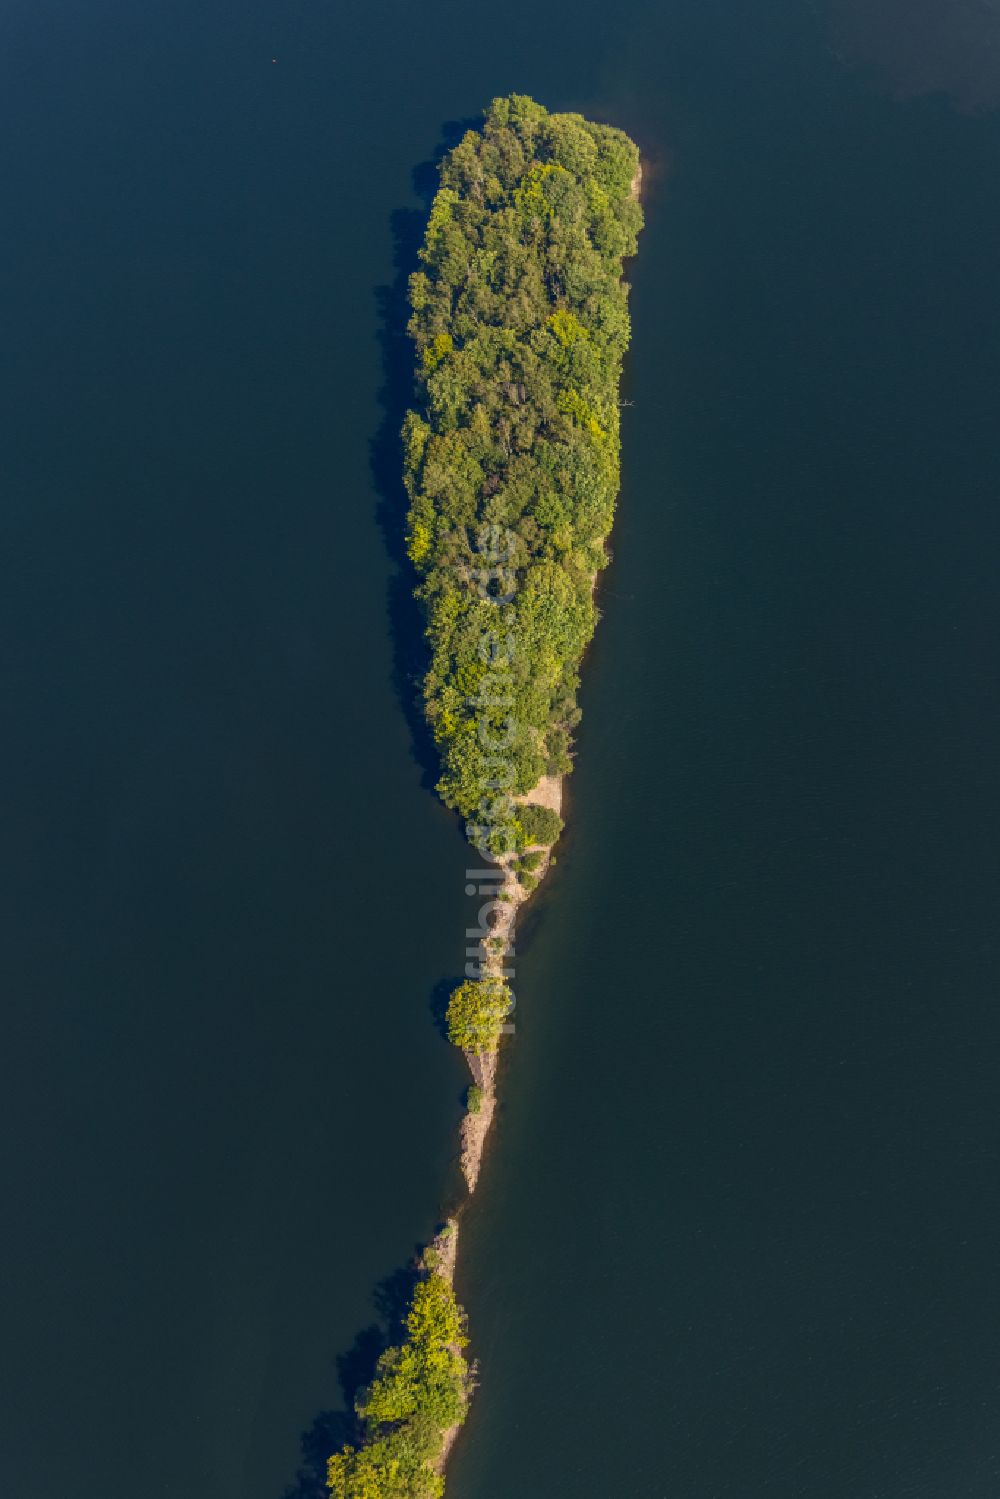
438 1004
395 396
332 1429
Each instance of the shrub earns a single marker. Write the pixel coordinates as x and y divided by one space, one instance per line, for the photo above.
529 883
474 1099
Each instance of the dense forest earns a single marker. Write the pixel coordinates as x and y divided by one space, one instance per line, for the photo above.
520 321
420 1390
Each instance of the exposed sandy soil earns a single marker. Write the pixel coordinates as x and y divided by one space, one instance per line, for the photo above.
548 793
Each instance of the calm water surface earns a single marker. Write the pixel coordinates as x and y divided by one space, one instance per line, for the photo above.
738 1231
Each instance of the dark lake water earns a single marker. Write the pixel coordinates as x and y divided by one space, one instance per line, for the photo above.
738 1231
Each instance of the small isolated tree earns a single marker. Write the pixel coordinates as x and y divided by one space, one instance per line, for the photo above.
476 1013
538 824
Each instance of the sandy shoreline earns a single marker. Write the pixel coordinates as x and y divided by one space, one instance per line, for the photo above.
483 1065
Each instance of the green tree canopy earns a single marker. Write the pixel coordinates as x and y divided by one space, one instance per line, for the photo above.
477 1011
511 456
420 1389
538 824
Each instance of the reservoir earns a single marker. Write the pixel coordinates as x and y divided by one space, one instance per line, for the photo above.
737 1229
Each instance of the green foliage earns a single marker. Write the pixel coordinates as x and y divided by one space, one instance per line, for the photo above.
530 861
529 883
520 324
477 1010
538 825
474 1098
420 1389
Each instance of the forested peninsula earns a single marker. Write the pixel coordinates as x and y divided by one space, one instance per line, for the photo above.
511 463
